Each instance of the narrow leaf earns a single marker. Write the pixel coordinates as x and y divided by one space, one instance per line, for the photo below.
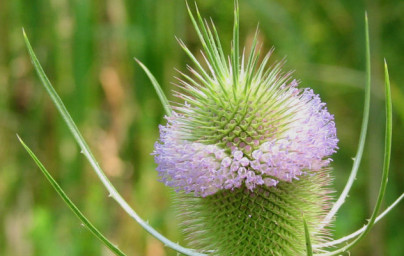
71 205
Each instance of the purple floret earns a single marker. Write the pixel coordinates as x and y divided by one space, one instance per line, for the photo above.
303 147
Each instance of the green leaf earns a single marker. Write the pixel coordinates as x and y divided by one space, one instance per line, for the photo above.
71 205
94 164
157 87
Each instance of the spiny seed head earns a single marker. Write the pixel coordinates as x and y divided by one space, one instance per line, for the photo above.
248 151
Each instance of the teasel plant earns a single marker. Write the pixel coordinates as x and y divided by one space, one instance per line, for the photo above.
247 151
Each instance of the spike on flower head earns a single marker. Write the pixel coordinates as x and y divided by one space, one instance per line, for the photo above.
246 143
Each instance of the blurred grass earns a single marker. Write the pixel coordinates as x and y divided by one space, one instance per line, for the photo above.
87 49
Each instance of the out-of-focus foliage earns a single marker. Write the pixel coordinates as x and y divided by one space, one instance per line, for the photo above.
87 49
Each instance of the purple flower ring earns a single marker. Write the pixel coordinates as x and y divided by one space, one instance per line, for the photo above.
281 136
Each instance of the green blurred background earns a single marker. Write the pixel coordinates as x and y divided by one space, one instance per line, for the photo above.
87 49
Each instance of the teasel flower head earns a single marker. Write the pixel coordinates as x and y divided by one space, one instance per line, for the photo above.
248 152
